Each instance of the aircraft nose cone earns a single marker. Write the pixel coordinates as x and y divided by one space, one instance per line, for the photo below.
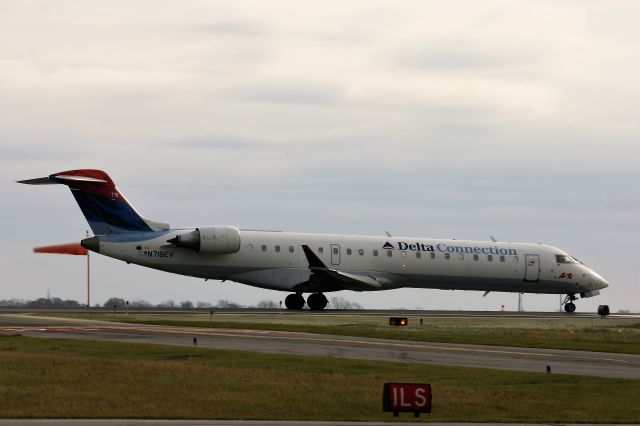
597 282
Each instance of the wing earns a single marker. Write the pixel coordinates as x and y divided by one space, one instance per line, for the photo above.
342 280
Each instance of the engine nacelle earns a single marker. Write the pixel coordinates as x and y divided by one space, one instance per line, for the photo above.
210 240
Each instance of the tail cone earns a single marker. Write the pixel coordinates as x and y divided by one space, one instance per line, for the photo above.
92 244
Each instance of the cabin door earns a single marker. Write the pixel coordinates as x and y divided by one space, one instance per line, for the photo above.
532 271
335 254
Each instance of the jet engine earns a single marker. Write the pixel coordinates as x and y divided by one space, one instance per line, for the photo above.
210 240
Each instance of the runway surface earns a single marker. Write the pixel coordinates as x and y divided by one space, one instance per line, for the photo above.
63 422
296 343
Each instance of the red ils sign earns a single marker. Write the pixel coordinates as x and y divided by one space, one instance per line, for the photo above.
406 397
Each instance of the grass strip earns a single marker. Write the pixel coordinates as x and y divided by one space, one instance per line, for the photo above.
588 339
57 378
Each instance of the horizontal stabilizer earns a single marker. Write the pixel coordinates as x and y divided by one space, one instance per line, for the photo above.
37 181
70 179
103 205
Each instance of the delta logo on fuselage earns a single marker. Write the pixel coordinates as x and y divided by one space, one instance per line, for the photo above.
448 248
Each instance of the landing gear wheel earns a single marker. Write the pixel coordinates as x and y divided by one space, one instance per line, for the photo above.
569 306
294 302
317 301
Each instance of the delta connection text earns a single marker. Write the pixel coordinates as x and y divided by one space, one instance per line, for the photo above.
446 248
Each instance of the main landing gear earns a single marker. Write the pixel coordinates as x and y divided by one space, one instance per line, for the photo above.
294 301
315 301
569 306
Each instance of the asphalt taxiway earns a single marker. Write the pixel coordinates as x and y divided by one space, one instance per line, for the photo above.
297 343
126 422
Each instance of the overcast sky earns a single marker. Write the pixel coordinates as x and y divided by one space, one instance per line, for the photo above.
458 119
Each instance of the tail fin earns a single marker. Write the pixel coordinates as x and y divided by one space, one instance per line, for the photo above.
104 207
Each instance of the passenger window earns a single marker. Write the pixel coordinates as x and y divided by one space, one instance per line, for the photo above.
432 255
349 252
263 247
375 252
501 258
447 256
250 247
403 254
461 256
278 248
335 250
490 258
418 255
389 253
515 259
361 252
290 249
320 249
475 257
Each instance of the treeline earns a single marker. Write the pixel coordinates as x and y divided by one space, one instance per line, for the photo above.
119 303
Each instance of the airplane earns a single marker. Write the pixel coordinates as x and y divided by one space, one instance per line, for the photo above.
319 263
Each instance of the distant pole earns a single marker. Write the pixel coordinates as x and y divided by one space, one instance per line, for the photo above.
88 278
519 302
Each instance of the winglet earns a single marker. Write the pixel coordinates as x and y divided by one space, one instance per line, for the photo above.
349 281
314 261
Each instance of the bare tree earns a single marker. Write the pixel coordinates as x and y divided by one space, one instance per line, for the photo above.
225 304
114 302
342 303
138 303
267 304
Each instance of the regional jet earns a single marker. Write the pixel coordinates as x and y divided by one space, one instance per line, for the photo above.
318 263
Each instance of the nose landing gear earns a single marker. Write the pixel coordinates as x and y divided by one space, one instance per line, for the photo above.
569 306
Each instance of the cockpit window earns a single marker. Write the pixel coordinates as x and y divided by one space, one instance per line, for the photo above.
563 258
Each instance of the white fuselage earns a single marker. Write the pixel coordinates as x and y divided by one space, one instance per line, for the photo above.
275 260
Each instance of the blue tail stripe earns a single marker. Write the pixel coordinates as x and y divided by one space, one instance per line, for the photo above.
106 215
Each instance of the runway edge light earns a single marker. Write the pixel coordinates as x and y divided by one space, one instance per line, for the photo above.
398 321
